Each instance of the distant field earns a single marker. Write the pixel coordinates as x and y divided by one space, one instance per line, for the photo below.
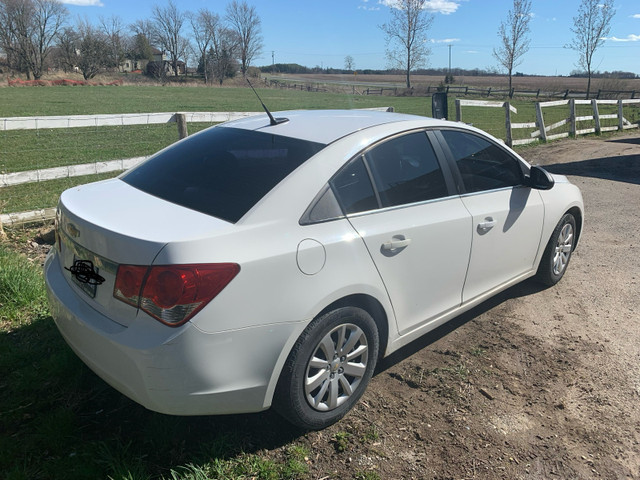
496 82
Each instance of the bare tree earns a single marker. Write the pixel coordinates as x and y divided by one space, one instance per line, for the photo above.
28 29
112 29
167 32
590 26
67 53
142 27
223 53
93 48
406 35
204 24
245 22
514 42
349 63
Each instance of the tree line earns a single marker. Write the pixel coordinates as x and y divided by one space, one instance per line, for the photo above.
36 34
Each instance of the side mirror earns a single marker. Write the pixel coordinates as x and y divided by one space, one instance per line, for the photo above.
540 179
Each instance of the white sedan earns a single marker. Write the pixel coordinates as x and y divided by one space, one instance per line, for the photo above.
262 263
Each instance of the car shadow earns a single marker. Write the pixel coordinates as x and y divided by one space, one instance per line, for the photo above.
624 168
522 289
631 140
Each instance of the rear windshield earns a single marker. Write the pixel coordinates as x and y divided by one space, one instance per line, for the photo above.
222 171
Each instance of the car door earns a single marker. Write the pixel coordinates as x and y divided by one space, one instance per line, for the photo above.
507 216
418 234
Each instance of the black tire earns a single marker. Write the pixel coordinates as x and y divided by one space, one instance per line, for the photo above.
314 392
557 254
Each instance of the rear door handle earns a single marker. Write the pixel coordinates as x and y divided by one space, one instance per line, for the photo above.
396 243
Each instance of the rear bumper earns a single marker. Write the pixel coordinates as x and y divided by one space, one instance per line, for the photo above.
182 371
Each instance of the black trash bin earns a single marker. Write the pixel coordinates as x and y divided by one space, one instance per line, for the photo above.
439 105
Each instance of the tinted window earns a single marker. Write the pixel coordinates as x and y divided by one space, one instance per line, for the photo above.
222 171
405 170
483 165
353 189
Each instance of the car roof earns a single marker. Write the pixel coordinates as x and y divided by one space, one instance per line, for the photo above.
325 126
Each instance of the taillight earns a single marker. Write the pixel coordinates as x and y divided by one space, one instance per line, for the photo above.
172 293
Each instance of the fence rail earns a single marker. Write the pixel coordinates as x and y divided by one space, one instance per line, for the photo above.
123 119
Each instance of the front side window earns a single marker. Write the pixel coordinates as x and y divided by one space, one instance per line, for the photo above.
482 164
405 170
223 171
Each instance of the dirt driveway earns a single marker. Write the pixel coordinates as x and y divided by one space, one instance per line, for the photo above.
532 384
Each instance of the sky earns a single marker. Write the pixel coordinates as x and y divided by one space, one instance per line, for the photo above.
323 32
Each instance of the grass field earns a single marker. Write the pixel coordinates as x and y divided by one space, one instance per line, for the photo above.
37 149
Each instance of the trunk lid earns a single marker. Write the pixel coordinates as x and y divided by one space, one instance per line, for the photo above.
105 224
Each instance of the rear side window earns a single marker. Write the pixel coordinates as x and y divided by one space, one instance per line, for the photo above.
353 188
482 165
405 170
222 172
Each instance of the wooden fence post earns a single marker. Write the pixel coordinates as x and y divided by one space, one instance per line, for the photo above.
181 120
507 115
540 121
572 117
620 116
458 110
596 115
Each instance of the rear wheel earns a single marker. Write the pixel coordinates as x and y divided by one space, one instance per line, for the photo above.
557 254
328 368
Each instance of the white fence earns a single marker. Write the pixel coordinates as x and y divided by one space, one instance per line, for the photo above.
572 120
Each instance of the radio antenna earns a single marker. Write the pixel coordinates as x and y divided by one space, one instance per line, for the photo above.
272 121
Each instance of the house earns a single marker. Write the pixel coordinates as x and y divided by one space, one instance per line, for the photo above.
159 60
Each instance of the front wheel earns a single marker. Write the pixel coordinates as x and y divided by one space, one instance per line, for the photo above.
328 368
557 254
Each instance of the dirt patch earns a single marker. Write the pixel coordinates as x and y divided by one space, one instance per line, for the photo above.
534 383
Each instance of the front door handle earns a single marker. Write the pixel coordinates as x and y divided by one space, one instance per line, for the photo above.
488 224
396 243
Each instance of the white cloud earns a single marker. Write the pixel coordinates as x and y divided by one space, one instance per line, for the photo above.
445 7
366 7
629 38
84 3
637 15
445 40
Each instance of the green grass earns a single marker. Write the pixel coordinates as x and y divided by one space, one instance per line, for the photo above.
21 289
32 101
